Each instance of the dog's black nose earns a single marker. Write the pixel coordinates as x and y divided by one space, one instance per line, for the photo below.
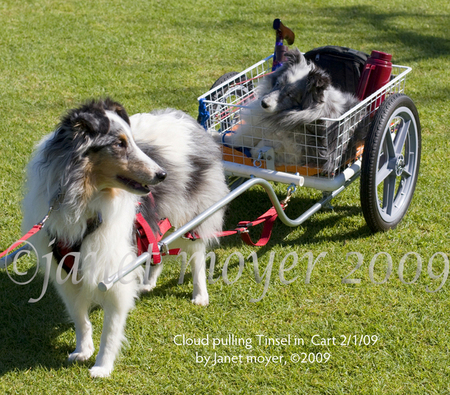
161 175
264 104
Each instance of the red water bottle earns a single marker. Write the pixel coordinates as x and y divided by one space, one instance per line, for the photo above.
377 73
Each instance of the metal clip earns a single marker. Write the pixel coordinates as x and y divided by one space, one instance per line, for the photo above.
55 202
291 189
42 221
258 162
163 248
243 229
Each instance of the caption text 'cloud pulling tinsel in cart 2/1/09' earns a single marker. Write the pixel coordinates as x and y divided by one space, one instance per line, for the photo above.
380 269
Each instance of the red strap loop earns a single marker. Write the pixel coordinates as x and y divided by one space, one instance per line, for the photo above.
268 218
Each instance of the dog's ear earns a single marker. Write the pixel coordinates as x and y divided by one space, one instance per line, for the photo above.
94 121
111 105
294 57
316 84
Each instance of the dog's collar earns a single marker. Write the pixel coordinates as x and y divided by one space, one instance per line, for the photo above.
61 249
93 224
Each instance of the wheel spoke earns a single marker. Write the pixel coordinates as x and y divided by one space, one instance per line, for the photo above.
382 173
401 137
406 174
389 144
389 194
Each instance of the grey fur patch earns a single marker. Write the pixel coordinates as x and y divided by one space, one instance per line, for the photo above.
186 182
149 206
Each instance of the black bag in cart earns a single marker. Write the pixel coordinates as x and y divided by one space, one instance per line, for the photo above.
345 65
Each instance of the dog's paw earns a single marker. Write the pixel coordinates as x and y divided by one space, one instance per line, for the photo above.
82 356
201 300
145 288
100 371
217 137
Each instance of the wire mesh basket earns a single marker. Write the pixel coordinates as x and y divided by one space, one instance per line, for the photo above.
323 148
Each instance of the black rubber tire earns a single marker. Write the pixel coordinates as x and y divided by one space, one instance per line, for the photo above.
390 163
224 78
232 181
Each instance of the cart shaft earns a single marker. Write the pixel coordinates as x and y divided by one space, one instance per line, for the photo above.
163 244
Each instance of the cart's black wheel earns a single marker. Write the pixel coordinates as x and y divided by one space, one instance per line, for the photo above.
224 78
229 94
218 82
390 163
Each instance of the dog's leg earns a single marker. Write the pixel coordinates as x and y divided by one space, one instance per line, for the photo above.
83 333
197 251
77 307
119 301
198 264
150 281
235 138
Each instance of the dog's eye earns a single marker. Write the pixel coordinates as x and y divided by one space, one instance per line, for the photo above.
294 96
122 144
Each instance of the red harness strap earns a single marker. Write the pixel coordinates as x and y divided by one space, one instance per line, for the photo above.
268 218
145 237
36 228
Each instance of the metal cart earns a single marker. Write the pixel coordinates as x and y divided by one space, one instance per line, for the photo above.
387 162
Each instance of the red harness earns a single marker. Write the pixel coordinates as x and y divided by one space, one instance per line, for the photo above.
145 237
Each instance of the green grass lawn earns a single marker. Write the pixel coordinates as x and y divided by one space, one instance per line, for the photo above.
373 336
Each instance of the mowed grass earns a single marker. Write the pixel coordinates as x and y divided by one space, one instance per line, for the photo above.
382 334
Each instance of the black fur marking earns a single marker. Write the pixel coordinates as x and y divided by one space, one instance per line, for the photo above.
149 206
92 122
111 105
91 117
200 166
149 211
318 81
